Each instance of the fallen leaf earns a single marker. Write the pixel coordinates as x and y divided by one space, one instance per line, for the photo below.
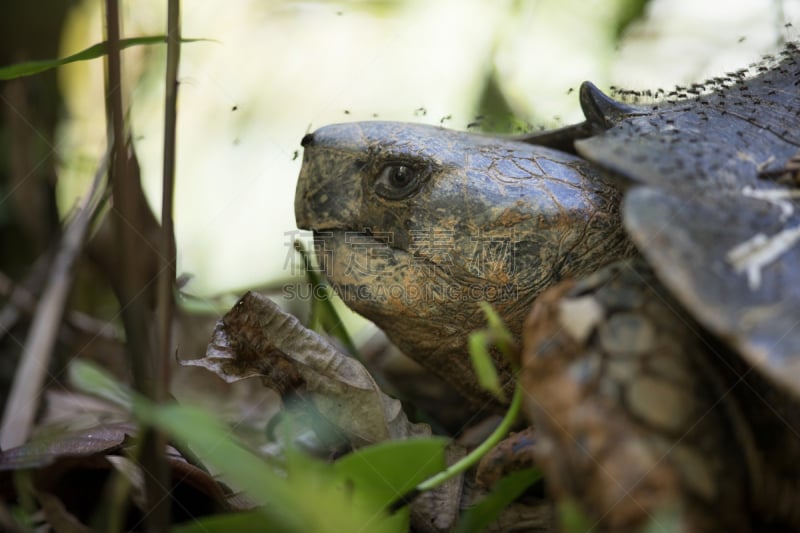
257 338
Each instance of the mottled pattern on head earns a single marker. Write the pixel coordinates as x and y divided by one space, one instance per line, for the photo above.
416 224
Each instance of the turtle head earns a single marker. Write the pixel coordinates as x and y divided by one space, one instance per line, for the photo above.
415 225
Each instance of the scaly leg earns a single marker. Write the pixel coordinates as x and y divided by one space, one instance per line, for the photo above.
631 424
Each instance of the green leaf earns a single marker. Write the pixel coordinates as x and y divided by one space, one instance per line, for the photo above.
322 309
498 332
483 364
495 322
209 439
216 447
378 474
392 468
480 515
90 378
34 67
572 518
310 495
310 498
243 522
666 518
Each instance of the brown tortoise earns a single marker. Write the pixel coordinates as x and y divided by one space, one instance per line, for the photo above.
657 247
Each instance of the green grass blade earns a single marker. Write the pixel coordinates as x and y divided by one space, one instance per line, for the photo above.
323 309
483 363
311 495
28 68
241 522
480 515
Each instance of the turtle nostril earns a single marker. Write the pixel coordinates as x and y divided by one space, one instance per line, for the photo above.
308 140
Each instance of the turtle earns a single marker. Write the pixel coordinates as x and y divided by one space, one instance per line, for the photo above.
647 258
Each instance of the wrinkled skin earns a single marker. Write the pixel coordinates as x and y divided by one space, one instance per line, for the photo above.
415 225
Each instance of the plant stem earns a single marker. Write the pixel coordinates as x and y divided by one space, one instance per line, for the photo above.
471 458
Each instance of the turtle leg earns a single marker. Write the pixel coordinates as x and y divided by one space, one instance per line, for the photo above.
629 427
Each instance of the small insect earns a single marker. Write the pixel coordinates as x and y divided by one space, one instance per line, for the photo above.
446 117
420 111
234 108
570 90
742 39
346 111
476 122
295 155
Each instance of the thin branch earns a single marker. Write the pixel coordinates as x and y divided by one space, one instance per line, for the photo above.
131 289
22 301
167 270
29 378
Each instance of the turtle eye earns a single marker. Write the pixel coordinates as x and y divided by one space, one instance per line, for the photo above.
397 181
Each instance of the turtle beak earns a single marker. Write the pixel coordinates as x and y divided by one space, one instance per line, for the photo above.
329 194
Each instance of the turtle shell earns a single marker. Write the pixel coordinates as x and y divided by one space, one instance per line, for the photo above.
712 201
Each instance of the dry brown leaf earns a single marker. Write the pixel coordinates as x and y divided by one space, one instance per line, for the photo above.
257 338
70 474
